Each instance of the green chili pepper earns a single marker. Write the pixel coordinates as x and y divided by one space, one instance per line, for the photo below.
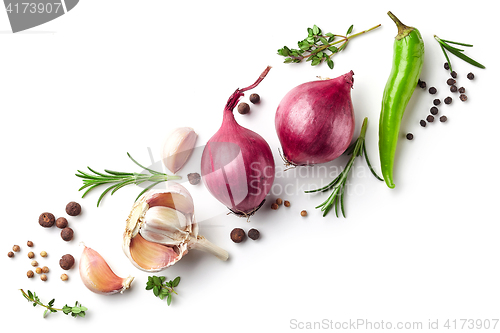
406 67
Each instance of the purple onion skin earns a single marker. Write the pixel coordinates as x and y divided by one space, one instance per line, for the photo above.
237 164
315 121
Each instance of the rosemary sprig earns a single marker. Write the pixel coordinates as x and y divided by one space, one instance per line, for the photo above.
445 46
162 288
121 179
76 311
356 149
318 47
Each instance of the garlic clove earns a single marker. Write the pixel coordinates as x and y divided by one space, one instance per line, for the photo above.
178 147
164 225
153 257
98 277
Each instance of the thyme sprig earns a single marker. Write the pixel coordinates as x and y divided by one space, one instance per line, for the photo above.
121 179
356 149
76 311
319 47
161 287
445 46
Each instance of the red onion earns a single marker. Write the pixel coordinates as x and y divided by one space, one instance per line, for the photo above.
237 164
315 121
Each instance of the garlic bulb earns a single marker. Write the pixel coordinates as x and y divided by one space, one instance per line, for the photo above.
98 276
161 228
178 147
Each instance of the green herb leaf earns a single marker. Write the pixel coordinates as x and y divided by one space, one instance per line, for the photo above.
315 43
457 52
165 288
339 183
349 30
32 297
176 281
117 180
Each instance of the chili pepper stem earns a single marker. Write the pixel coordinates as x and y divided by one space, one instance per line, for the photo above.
403 30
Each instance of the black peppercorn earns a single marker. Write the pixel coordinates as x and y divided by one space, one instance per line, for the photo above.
446 66
409 136
430 118
67 234
194 178
432 90
434 110
67 261
463 97
237 235
453 74
46 220
423 123
461 90
448 100
437 101
253 234
470 76
453 88
243 108
254 98
61 222
73 208
443 119
422 84
451 82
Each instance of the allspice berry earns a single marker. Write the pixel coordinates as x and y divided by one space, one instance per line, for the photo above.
64 277
10 254
30 274
73 208
16 248
194 178
67 234
31 255
43 277
287 203
46 220
303 213
253 234
243 108
30 244
254 98
274 206
61 222
67 261
237 235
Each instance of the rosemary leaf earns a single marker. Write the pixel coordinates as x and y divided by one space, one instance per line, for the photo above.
339 183
117 180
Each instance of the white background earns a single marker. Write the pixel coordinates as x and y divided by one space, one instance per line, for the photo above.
112 77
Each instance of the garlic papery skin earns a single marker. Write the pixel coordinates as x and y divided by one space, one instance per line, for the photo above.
178 147
98 277
161 229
